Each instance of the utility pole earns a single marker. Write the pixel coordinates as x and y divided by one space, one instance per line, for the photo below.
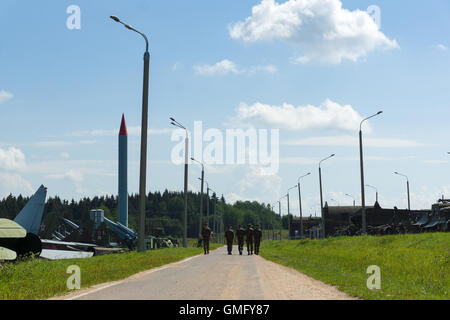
144 125
300 204
321 195
363 197
201 197
407 189
186 161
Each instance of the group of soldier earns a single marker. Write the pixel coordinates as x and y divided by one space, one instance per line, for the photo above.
251 236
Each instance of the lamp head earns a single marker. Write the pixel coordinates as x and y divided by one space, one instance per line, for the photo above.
379 112
115 18
172 119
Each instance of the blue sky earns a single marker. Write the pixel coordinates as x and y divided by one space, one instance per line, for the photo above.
62 94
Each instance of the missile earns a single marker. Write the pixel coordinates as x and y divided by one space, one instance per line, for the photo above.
123 173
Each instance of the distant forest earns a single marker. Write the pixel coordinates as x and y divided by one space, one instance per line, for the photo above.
164 212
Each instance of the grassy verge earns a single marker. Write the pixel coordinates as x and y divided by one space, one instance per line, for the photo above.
41 279
413 266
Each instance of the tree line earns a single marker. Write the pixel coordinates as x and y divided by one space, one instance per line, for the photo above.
164 211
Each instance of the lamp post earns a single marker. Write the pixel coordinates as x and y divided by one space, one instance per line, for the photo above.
407 188
143 161
363 200
300 203
289 216
214 213
354 201
321 195
376 191
201 197
186 161
279 213
207 201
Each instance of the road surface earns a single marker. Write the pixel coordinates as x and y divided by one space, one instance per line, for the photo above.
217 276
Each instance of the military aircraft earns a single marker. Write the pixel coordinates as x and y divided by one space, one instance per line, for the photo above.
9 232
19 237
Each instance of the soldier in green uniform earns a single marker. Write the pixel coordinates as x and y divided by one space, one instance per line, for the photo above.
229 237
249 238
257 236
206 234
240 235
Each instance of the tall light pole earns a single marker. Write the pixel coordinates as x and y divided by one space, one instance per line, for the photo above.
289 216
407 188
300 203
186 161
363 200
215 225
321 195
279 213
144 124
201 197
349 195
376 191
207 202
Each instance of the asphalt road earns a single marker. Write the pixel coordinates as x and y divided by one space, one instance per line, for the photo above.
217 276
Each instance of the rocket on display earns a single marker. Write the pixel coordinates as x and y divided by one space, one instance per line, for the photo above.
123 173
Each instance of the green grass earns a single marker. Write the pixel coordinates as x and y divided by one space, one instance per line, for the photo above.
413 266
42 279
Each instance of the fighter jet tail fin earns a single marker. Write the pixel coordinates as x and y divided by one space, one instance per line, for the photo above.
31 215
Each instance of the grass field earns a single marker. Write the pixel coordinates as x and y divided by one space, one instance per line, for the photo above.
413 266
42 279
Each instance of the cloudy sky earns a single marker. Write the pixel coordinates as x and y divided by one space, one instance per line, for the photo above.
313 69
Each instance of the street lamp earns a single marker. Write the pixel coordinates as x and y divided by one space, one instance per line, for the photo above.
186 157
207 201
300 203
201 197
143 164
214 213
321 195
363 200
354 201
289 217
376 191
407 188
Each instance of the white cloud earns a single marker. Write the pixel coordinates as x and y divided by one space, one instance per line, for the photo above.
73 175
353 141
64 155
329 115
14 183
232 198
12 159
257 182
5 96
226 66
435 161
220 68
51 144
132 131
442 47
322 29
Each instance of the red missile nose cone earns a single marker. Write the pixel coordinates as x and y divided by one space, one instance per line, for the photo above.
123 127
